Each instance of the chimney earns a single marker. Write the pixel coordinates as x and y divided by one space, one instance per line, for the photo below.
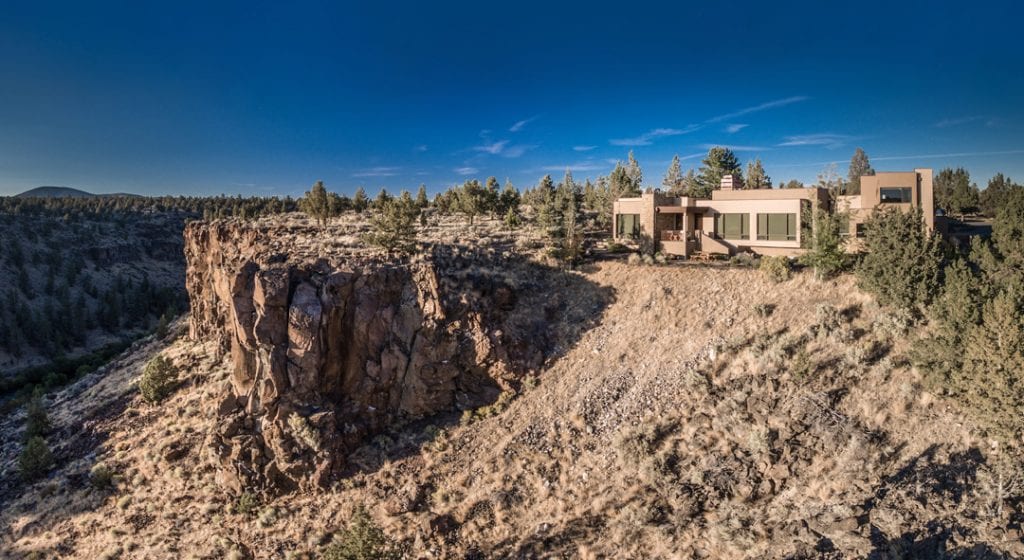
730 183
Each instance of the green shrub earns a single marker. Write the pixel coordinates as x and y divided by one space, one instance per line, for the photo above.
101 477
304 432
827 319
362 539
633 259
748 260
246 503
158 379
35 459
37 421
903 261
777 269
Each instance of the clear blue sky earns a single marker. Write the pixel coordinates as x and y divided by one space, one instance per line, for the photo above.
265 98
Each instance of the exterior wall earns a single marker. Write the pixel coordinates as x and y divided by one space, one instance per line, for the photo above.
752 207
922 194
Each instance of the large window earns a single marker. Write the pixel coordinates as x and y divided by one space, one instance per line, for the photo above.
627 225
894 194
733 226
776 227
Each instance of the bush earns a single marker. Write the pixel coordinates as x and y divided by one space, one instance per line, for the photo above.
158 379
37 421
633 259
246 503
304 432
35 459
903 260
777 269
764 310
748 260
827 319
101 477
362 539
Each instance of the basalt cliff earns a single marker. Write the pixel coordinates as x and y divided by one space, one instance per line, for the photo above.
331 347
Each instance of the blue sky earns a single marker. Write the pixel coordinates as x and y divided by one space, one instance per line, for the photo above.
265 98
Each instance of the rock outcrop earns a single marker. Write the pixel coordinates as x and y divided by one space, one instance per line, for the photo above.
330 350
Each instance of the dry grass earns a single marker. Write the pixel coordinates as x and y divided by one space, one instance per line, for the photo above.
686 421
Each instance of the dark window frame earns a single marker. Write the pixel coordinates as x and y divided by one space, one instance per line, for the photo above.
766 222
620 229
906 195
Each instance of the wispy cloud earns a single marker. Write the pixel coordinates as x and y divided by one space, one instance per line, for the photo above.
757 108
734 147
827 139
520 124
583 148
734 128
909 157
420 148
494 148
517 150
579 166
692 156
466 170
946 123
377 172
648 137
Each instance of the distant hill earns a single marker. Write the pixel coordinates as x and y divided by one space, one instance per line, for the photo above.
64 192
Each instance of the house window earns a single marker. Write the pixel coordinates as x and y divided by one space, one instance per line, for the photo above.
627 225
860 230
894 194
733 226
776 227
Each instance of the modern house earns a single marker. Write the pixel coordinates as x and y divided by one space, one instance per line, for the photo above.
763 221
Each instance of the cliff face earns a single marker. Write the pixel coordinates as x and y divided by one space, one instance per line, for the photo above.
327 351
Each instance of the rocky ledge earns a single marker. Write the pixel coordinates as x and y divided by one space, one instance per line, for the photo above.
330 349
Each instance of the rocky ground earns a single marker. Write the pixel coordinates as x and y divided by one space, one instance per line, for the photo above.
695 411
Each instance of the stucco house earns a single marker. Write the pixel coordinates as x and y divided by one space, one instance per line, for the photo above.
762 221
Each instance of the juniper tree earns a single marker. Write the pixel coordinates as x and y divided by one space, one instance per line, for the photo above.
902 264
999 189
316 204
509 199
544 200
471 199
490 196
954 191
825 253
859 167
359 200
633 173
393 224
421 197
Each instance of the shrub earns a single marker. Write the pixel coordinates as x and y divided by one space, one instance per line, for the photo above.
101 477
246 503
824 243
894 324
660 258
633 259
37 421
903 260
827 319
158 379
777 269
748 260
764 310
362 539
35 459
304 432
394 225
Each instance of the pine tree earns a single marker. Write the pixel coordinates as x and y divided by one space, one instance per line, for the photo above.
673 181
568 232
544 200
718 163
472 199
756 177
859 167
383 197
509 199
996 194
634 174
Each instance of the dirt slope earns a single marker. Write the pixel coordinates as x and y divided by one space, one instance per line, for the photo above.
686 424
